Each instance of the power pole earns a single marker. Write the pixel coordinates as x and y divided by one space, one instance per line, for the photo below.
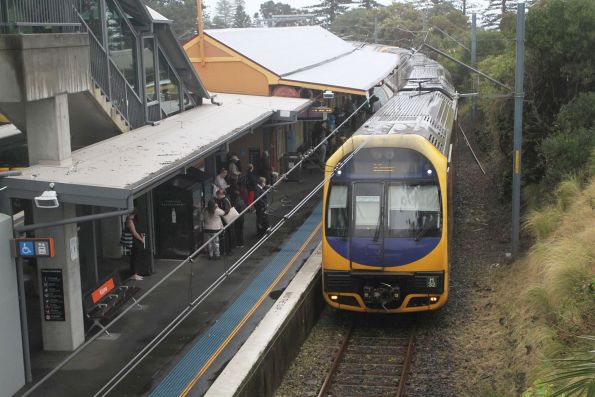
375 29
201 38
518 125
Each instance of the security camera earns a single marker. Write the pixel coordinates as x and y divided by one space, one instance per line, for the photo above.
328 94
48 199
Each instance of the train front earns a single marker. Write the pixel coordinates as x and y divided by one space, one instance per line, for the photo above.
385 245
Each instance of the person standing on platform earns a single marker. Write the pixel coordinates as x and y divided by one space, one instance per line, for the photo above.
234 172
262 219
220 182
228 235
266 168
239 205
138 243
251 182
212 225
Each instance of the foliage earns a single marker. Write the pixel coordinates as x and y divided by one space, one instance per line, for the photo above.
181 12
224 14
270 8
328 10
240 18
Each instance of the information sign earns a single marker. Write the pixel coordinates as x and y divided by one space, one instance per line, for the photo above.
34 247
53 295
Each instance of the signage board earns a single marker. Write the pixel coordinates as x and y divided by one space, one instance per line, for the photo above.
52 285
34 247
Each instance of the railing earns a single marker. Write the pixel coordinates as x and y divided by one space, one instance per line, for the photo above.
136 111
16 14
154 112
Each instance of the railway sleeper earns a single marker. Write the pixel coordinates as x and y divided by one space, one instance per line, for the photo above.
352 390
366 379
371 369
385 350
376 359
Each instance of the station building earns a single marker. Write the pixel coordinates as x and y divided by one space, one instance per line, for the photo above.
296 62
110 113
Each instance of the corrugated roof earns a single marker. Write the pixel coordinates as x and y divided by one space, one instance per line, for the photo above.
284 50
360 70
129 162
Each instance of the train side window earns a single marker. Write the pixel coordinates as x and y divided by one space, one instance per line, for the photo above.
337 217
414 210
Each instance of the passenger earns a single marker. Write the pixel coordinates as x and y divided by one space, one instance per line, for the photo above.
322 151
239 205
251 182
266 168
262 219
212 225
220 182
234 172
228 241
138 243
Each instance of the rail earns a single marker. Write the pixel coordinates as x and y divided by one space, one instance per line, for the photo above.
18 14
369 363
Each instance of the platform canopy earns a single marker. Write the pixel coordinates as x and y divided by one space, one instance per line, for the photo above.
112 171
309 56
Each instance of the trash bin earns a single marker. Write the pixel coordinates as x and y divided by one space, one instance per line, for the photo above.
291 159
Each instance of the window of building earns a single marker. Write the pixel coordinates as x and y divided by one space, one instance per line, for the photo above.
150 77
169 87
121 43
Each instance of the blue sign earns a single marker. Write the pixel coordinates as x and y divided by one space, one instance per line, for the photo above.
26 248
34 247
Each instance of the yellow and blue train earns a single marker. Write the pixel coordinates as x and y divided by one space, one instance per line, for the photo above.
386 202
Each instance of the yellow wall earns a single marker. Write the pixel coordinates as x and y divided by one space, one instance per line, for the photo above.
224 70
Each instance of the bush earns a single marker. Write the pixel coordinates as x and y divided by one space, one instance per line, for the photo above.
566 153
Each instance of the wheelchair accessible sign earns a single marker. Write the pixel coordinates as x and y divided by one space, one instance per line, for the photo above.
34 247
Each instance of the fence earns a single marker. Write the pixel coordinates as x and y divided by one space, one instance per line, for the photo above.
19 15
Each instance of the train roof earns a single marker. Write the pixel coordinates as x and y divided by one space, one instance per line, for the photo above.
425 73
428 113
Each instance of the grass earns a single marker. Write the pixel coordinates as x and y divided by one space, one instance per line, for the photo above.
557 305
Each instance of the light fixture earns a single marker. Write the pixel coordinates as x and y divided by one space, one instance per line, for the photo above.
48 199
334 297
429 172
433 299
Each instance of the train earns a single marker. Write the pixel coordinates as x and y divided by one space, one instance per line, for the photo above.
387 199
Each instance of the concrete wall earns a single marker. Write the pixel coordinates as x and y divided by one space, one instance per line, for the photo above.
12 375
40 66
268 374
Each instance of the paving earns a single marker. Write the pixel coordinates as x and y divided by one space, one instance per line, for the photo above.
97 364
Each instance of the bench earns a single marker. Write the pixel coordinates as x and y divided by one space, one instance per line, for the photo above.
103 302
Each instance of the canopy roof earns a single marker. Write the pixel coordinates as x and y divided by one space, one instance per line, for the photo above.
309 55
111 171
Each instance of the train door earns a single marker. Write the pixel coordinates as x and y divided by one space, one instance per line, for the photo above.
367 225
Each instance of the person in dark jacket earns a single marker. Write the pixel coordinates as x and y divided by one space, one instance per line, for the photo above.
262 219
266 167
239 205
251 182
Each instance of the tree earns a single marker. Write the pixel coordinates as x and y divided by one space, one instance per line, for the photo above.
270 8
181 12
225 13
240 19
367 4
329 10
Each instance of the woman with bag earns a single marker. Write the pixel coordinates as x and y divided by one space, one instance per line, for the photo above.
212 225
132 240
228 241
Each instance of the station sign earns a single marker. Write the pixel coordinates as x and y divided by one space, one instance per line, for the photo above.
53 295
322 109
34 247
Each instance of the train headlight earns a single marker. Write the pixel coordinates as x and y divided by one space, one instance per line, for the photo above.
334 297
433 299
429 172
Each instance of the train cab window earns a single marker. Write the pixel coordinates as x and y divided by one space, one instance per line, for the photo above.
367 209
337 216
414 210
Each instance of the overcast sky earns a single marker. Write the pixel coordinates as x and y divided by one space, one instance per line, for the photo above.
253 6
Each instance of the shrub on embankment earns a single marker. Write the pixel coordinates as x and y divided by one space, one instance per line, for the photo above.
552 294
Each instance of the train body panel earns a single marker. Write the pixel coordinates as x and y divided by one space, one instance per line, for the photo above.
386 206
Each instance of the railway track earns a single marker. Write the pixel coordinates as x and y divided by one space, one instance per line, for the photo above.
370 362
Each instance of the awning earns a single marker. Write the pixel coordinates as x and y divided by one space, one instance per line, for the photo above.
109 172
360 70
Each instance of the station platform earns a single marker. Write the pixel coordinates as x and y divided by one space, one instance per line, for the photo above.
188 359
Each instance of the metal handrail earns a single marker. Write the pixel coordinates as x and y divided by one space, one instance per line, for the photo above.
31 13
